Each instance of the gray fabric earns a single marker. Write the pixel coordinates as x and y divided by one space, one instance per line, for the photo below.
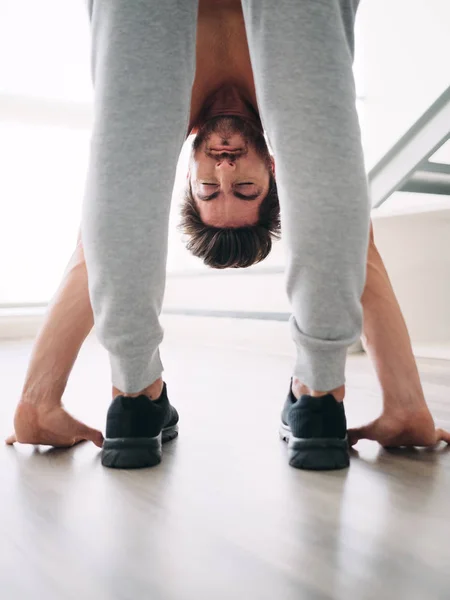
143 68
143 61
302 54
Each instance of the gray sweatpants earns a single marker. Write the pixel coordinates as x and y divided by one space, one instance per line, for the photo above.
143 60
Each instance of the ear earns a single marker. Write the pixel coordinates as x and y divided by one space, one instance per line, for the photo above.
272 160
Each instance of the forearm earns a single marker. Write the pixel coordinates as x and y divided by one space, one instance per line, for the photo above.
386 336
67 324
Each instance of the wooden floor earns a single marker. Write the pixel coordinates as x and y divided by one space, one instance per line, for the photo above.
224 516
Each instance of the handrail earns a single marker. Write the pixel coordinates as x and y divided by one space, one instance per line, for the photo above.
411 151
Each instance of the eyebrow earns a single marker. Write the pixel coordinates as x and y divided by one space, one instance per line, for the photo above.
235 194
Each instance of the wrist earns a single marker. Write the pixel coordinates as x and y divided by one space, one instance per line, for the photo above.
38 393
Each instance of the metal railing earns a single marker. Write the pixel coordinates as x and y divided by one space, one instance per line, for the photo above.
406 167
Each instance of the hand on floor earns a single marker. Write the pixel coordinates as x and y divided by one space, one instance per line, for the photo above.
415 429
50 426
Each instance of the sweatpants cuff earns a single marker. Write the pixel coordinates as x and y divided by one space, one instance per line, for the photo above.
132 374
321 369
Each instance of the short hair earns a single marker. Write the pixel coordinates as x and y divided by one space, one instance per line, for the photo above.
232 247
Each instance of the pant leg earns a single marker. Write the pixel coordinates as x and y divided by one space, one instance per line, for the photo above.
302 52
143 61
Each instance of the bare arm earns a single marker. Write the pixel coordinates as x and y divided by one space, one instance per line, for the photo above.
40 417
405 419
385 334
68 322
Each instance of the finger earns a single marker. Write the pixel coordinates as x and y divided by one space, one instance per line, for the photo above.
366 432
89 433
12 439
353 437
443 436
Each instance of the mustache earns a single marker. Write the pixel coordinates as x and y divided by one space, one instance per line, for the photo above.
227 125
224 155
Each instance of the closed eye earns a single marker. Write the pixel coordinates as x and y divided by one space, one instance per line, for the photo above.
208 197
247 196
246 186
253 195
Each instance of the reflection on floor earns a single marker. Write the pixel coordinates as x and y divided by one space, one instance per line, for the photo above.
224 516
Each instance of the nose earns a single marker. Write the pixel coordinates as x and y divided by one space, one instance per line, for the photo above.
225 164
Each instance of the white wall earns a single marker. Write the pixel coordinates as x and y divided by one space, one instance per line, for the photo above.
416 251
405 47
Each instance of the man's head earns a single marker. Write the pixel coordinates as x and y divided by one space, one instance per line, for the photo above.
231 211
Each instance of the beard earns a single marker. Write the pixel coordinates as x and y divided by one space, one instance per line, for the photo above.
226 127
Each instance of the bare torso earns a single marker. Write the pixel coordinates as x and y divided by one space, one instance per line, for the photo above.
222 56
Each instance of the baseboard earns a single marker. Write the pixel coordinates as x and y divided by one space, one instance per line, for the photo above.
436 351
16 324
23 323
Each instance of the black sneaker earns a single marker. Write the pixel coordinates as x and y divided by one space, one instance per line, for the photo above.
135 430
316 432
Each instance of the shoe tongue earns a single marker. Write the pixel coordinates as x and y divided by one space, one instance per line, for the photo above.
133 401
163 397
127 401
321 402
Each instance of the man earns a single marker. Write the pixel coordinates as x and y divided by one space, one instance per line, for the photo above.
231 210
230 216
